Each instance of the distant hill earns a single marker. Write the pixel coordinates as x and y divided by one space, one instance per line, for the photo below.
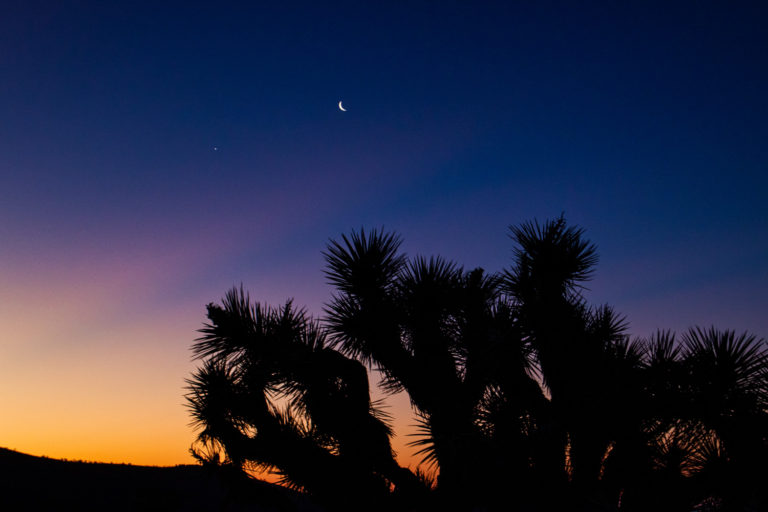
39 483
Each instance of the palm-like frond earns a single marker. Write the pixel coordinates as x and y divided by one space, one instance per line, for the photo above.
208 452
427 293
363 332
661 350
710 458
434 275
607 326
425 442
505 418
239 326
363 314
362 264
727 381
479 321
664 378
214 398
552 258
231 328
683 447
727 364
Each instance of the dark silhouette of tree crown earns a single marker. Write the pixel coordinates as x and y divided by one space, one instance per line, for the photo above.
520 388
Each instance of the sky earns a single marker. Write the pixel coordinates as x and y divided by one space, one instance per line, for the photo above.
155 154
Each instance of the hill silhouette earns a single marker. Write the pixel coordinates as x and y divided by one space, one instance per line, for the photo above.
38 483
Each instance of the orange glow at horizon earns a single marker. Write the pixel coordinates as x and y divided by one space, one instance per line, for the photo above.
94 357
141 431
77 383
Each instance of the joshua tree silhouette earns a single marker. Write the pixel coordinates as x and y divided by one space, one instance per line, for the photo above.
527 395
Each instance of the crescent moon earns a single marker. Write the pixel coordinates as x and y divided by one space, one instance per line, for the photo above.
342 108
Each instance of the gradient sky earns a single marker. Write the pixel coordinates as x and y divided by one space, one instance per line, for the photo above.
643 122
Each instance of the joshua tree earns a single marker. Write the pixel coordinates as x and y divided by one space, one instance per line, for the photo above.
522 388
275 396
450 339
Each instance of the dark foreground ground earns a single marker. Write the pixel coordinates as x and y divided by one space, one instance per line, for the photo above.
38 483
